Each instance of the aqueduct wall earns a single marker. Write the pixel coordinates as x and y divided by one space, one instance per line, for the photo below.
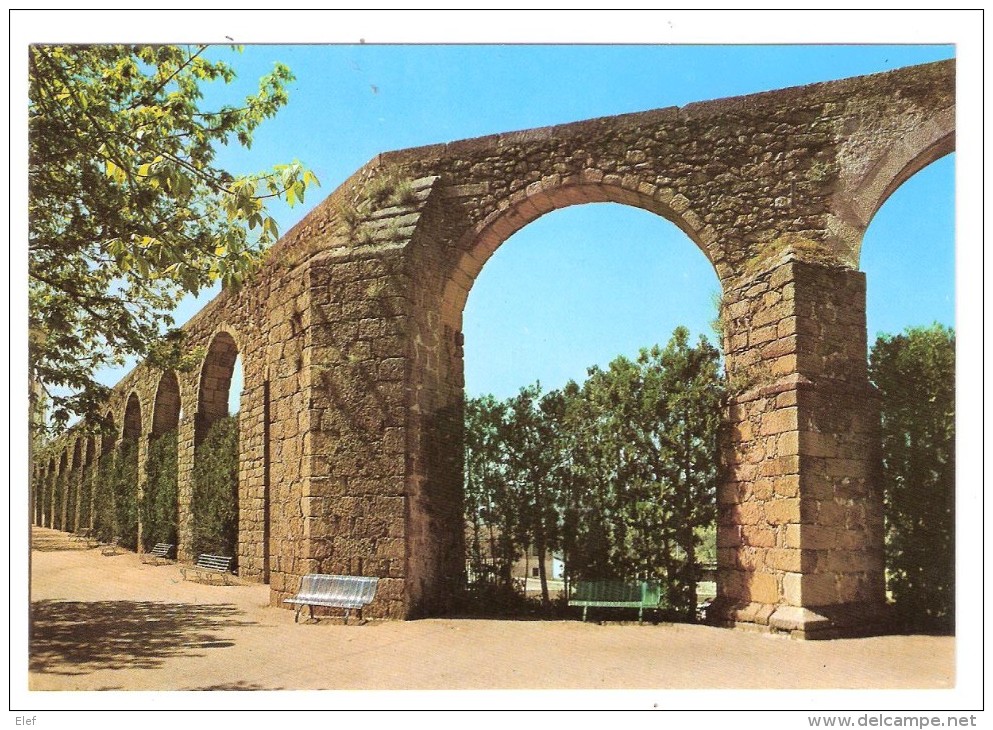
350 337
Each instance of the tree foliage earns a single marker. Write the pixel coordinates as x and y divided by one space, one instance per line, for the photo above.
215 490
128 211
619 474
915 375
490 510
125 491
160 504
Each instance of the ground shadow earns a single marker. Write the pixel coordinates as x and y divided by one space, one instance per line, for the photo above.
74 637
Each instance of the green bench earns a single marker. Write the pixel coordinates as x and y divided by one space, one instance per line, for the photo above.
617 594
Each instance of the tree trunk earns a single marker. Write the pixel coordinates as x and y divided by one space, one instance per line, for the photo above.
541 569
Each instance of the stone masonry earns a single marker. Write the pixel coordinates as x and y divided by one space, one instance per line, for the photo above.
351 344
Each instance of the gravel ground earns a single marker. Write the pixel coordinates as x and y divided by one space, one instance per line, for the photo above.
112 623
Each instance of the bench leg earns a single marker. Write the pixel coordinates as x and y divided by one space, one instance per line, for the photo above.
346 617
584 614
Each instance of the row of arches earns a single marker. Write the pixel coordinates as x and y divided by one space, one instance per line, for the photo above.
121 479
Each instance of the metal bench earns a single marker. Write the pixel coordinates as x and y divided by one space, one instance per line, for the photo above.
208 566
158 554
617 594
335 591
111 548
84 534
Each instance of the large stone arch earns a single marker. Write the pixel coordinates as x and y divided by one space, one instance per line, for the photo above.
435 547
555 193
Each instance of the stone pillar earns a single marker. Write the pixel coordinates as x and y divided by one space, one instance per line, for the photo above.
353 426
185 438
800 533
142 447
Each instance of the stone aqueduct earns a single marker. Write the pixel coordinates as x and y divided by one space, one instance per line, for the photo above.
350 338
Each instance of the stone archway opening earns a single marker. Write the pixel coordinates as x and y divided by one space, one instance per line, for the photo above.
581 287
127 500
502 232
215 508
911 248
160 500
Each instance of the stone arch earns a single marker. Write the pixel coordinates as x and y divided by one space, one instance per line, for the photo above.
160 498
127 497
898 161
438 386
168 404
131 428
553 193
213 392
215 380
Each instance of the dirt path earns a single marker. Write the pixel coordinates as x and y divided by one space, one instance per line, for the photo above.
112 623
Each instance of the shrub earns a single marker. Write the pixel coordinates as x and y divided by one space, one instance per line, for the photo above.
104 522
915 375
160 507
125 491
215 490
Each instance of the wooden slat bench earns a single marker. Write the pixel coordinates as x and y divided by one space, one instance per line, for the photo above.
336 591
617 594
158 554
208 566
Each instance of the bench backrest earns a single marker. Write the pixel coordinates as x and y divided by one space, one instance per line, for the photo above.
619 591
358 588
161 550
214 562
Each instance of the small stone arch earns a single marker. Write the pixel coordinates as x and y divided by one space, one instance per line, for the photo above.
128 495
51 475
215 380
131 426
160 498
213 392
168 404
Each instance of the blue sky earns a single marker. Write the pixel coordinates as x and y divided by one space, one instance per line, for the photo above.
582 285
